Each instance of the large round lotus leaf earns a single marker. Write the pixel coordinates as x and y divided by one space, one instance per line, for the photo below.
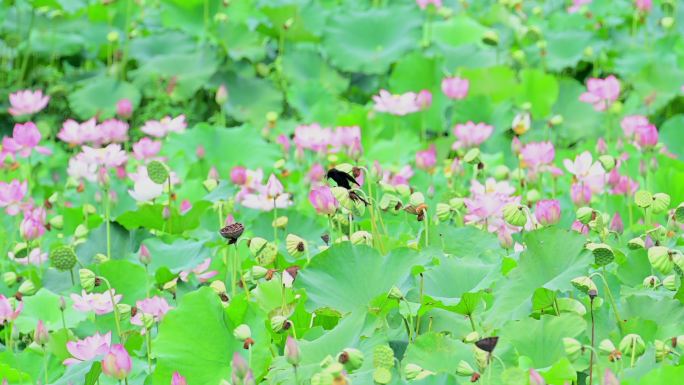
189 15
672 134
190 71
497 82
240 41
458 30
161 44
579 119
347 277
565 48
197 338
436 352
291 14
539 89
371 40
306 64
415 72
250 99
99 96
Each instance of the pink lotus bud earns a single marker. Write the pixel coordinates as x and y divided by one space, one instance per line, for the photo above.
601 146
647 136
455 87
536 378
316 173
166 212
516 145
643 5
322 200
213 173
121 172
547 211
283 140
292 351
221 94
200 152
274 187
616 224
177 379
124 108
426 160
239 366
579 227
238 175
580 194
144 255
185 206
609 378
117 363
41 335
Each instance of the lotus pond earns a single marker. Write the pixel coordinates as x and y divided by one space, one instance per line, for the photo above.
319 192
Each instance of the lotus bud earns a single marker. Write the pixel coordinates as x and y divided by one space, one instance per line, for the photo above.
585 214
636 243
352 359
651 282
242 332
27 287
443 211
514 214
670 282
41 335
573 348
661 202
280 222
295 245
361 238
584 284
607 346
9 278
464 369
471 337
632 341
659 256
87 278
292 351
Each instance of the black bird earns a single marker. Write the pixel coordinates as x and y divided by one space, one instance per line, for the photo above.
341 178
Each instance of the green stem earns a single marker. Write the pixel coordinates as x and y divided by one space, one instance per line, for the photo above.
427 227
168 206
8 336
236 266
116 309
148 340
611 300
124 57
45 365
105 200
631 362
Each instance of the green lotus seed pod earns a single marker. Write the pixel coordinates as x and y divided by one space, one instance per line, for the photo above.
514 214
661 202
588 51
322 378
464 369
659 256
382 376
643 199
100 258
651 282
242 332
89 209
81 231
9 278
572 347
403 190
667 22
157 171
632 342
532 196
443 212
607 347
295 245
258 272
679 213
556 120
342 196
395 293
388 201
471 337
383 356
584 284
277 323
63 258
636 243
210 184
411 371
585 214
361 238
387 188
87 278
57 222
607 161
417 199
351 358
490 38
27 287
456 203
501 172
670 282
472 156
280 222
603 254
662 350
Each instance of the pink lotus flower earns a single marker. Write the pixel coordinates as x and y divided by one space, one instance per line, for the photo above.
146 148
260 200
399 105
316 173
9 309
283 141
200 272
426 160
41 334
100 303
274 187
82 168
348 138
238 175
398 177
312 137
164 126
536 378
609 378
111 156
455 87
643 5
112 131
601 93
424 99
547 212
89 348
124 108
580 194
185 206
76 134
11 195
33 225
587 172
322 200
155 306
537 154
24 139
27 102
577 5
616 224
579 227
35 257
117 362
622 184
485 208
471 134
646 136
144 189
177 379
424 3
631 123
